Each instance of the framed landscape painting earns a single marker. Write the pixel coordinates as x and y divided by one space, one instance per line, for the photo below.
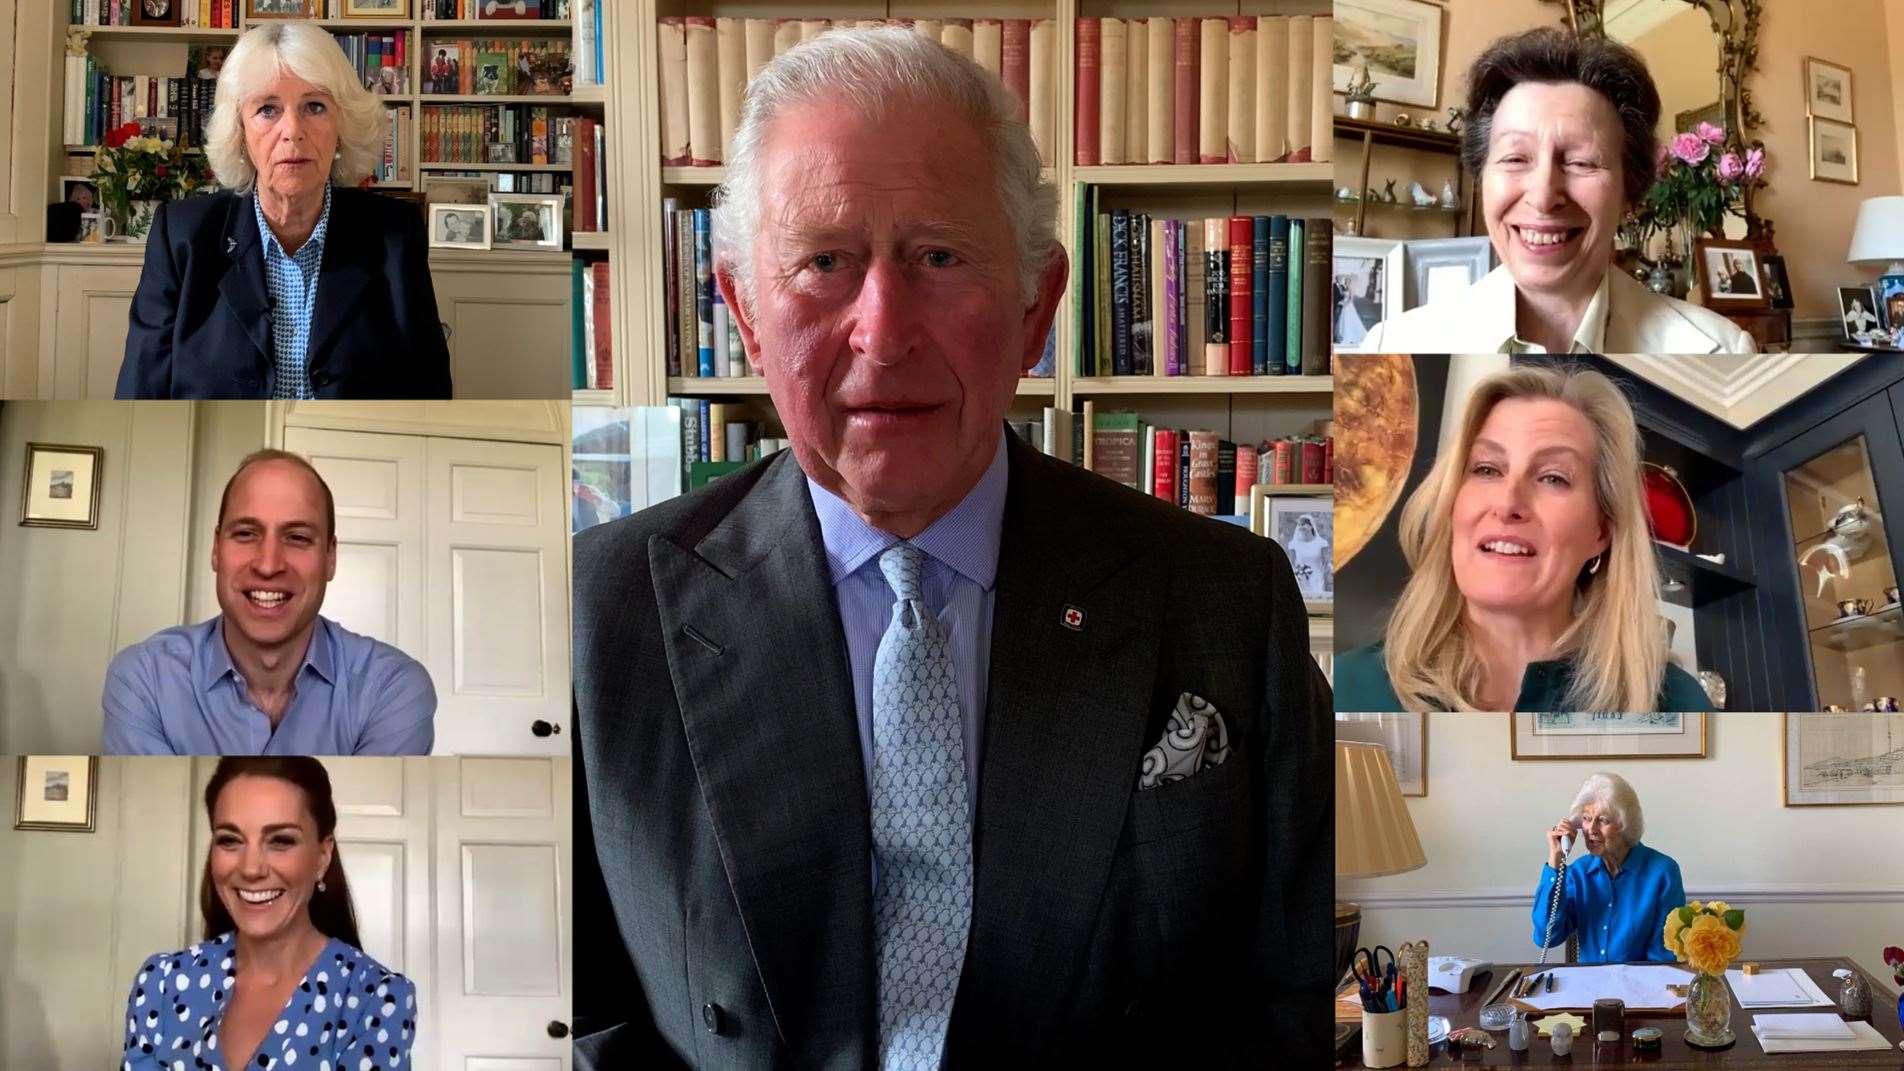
1397 41
1609 736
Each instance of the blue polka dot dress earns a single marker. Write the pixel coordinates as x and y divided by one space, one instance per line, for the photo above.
349 1014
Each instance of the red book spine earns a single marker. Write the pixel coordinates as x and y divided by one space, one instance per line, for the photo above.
585 175
1087 119
1014 64
1246 458
604 349
1164 467
1328 460
1240 294
1183 123
1312 461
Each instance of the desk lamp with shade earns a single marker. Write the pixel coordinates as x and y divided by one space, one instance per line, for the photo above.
1374 836
1878 238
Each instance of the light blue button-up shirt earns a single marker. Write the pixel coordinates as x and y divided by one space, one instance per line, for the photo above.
961 564
291 280
1620 918
179 694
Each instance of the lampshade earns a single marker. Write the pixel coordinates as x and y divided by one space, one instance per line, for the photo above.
1879 234
1373 834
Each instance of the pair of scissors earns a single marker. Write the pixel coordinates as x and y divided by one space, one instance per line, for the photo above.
1377 978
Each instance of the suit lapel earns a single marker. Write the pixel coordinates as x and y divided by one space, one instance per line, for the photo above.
1061 748
243 286
341 280
766 703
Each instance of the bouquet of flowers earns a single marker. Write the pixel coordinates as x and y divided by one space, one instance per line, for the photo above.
132 164
1705 936
1698 181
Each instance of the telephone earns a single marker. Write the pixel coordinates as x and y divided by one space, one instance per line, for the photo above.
1453 973
1560 885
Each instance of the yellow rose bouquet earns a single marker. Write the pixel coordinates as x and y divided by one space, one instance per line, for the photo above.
1705 936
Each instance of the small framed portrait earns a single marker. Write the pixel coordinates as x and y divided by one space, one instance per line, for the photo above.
155 12
1891 299
1439 268
1862 316
448 190
459 227
1305 527
279 9
61 488
1365 288
80 190
1827 90
1778 286
1729 274
527 220
56 793
507 10
1834 151
377 9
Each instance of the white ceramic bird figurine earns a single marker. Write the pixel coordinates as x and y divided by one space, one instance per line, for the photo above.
1422 198
1448 199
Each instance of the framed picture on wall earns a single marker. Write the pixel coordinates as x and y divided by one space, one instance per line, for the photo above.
1828 90
1729 276
56 793
1405 736
1365 288
61 488
1834 151
1842 759
1399 41
1609 736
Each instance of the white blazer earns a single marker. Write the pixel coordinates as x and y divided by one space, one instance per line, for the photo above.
1623 317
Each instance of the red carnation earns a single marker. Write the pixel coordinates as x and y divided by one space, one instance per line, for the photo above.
118 135
1894 956
159 171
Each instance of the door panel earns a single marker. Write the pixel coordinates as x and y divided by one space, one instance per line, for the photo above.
377 483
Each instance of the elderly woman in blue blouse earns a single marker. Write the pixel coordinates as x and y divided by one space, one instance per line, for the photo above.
1617 898
278 981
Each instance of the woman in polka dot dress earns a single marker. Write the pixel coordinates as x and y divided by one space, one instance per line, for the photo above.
278 982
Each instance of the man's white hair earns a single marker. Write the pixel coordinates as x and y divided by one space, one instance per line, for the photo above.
312 54
1612 793
879 72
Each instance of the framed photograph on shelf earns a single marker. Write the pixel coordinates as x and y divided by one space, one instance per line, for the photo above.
459 227
1365 288
1860 314
1398 41
1404 736
82 191
527 220
1729 275
61 487
454 189
1609 736
56 793
1441 267
1828 90
377 9
1304 525
155 12
1834 151
508 10
279 9
1778 285
1842 759
1891 302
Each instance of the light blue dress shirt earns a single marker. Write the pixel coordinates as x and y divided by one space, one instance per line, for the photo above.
291 280
961 564
179 694
1620 919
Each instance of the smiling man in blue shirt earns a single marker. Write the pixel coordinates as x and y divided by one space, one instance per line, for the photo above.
269 676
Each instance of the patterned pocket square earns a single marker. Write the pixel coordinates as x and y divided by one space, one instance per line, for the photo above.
1195 739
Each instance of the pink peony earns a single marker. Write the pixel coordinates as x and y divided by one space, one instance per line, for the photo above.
1755 163
1731 167
1662 161
1712 135
1691 148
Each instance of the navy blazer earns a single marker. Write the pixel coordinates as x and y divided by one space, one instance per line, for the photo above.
201 319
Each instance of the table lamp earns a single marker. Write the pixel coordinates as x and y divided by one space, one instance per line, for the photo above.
1878 236
1373 834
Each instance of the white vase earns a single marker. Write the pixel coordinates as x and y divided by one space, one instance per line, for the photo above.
140 211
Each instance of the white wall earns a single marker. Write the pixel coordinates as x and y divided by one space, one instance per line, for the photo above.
1813 881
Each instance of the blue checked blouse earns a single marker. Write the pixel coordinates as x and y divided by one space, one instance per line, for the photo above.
349 1014
292 283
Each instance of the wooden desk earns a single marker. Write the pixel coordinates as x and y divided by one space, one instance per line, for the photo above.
1675 1055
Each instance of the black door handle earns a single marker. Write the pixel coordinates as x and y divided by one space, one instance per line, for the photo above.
544 728
558 1028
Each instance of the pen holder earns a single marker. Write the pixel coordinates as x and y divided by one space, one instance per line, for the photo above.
1384 1038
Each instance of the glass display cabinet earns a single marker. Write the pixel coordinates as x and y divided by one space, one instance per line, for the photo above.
1847 581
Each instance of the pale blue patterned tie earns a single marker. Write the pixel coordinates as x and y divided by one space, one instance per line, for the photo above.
922 835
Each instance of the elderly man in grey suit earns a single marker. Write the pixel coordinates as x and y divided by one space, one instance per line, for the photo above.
912 747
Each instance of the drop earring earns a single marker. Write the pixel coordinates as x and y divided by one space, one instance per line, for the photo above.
320 886
1595 567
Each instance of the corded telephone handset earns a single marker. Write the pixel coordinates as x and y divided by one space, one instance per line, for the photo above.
1553 900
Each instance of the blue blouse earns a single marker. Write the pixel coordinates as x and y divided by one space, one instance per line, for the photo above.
1620 919
349 1014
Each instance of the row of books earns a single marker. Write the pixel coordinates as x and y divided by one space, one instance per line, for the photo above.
706 64
702 340
497 134
491 9
399 162
591 341
96 101
1238 90
381 60
487 67
1229 296
209 14
1197 468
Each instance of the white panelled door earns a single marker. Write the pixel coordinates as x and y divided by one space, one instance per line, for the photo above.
503 1000
456 551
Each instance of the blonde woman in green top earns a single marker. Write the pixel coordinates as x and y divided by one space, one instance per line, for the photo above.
1534 583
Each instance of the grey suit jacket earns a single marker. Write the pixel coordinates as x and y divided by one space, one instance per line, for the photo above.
724 885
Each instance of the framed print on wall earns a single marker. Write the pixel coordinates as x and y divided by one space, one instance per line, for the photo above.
1828 90
56 793
61 488
1399 41
1842 759
1609 736
1404 736
1834 151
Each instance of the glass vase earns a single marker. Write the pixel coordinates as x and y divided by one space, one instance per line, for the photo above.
1709 1012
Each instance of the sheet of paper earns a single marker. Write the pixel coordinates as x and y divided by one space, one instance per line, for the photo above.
1813 997
1807 1025
1864 1037
1641 985
1767 987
